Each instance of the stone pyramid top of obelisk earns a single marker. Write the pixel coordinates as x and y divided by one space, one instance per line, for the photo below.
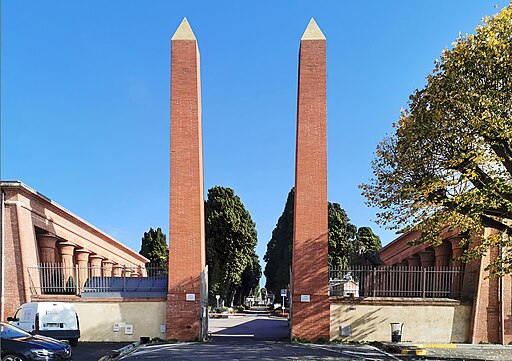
313 32
184 31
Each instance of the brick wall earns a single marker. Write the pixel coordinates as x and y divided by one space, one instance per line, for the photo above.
14 282
486 323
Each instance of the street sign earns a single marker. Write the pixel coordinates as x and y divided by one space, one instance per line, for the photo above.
217 296
283 292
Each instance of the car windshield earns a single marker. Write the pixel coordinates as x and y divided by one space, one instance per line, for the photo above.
9 331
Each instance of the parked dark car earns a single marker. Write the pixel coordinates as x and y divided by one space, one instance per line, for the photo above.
18 345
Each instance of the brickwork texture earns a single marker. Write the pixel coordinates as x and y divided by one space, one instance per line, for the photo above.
310 301
186 242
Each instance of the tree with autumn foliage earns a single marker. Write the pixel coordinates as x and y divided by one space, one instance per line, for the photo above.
448 164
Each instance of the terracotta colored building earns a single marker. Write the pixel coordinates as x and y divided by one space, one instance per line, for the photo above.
491 297
36 230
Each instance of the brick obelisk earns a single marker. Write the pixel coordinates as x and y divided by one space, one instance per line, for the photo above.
186 234
310 306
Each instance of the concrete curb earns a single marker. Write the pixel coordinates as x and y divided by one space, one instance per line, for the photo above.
484 346
435 345
226 315
123 351
402 348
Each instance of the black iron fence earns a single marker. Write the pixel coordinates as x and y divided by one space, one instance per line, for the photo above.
431 282
58 279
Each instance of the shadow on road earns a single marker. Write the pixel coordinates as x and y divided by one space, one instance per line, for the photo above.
247 327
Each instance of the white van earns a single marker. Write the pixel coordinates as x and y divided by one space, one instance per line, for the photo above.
58 320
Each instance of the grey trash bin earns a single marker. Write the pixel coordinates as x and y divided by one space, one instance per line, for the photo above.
396 331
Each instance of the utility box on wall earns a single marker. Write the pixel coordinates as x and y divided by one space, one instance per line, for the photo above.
346 331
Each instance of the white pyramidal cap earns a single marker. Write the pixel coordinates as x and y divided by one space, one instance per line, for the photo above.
313 32
184 32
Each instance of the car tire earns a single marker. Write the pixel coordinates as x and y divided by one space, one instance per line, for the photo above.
73 342
14 357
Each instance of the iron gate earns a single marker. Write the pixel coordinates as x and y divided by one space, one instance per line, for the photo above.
203 330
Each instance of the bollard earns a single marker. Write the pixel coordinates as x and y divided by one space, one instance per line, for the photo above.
396 331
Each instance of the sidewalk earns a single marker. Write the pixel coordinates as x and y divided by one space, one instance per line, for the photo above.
453 352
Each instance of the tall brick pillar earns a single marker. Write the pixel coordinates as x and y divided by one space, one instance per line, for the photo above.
187 240
310 306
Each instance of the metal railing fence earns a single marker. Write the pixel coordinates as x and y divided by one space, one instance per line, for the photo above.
430 282
58 279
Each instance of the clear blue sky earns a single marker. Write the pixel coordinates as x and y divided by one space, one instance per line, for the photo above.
85 98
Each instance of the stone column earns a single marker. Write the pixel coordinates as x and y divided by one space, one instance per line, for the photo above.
107 267
414 261
82 259
442 253
401 278
142 271
117 270
310 306
456 252
50 279
187 257
127 272
68 272
95 264
47 244
414 264
442 281
427 259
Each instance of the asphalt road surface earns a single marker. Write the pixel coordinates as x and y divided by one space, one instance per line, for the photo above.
244 349
256 337
93 351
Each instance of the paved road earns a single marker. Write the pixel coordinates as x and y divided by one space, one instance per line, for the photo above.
252 349
92 351
256 337
260 327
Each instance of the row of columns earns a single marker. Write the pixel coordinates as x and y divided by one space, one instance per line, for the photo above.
48 243
444 255
85 259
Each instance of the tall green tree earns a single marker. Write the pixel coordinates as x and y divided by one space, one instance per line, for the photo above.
154 247
342 245
278 257
250 280
448 163
365 248
341 236
366 240
230 242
